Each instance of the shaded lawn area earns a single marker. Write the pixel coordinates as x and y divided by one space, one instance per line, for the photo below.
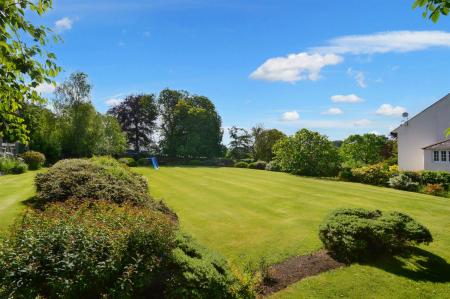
14 191
249 214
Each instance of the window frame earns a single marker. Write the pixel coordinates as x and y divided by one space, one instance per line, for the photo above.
444 156
436 154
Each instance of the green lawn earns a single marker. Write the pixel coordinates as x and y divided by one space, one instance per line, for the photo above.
248 214
14 190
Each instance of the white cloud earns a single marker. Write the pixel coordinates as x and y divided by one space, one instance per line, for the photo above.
375 132
389 110
63 24
362 123
45 88
113 101
295 67
384 42
358 76
333 111
350 98
290 116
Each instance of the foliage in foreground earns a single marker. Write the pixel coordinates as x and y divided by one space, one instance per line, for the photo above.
96 178
99 249
358 234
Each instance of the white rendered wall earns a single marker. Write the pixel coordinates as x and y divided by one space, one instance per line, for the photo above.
422 130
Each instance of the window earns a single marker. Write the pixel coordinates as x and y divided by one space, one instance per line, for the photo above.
443 156
436 156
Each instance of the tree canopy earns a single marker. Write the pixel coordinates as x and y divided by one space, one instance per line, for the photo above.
264 140
359 150
137 116
433 8
190 125
241 143
24 63
307 153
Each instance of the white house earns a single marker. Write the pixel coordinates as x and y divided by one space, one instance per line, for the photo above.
422 144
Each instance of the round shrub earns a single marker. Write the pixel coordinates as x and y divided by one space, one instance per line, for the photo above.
258 165
128 161
403 182
34 160
98 178
87 250
241 164
357 234
273 166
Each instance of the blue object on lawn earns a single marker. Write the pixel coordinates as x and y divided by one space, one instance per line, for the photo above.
155 163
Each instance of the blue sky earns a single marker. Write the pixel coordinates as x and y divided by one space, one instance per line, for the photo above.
337 67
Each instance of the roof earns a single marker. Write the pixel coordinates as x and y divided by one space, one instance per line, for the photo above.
447 97
438 146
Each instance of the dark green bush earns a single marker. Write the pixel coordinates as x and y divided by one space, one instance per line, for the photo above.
403 182
241 165
273 166
357 234
435 177
345 174
128 161
415 176
34 160
97 178
377 174
224 162
198 273
12 166
144 162
248 160
196 163
87 250
258 165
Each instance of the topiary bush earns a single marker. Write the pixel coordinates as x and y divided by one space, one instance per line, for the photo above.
377 174
403 182
273 166
34 160
241 164
258 165
12 166
94 179
128 161
87 250
358 234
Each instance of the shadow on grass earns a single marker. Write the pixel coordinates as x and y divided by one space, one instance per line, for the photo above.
32 202
416 264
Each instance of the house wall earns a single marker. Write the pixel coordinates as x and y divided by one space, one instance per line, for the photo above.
420 131
437 166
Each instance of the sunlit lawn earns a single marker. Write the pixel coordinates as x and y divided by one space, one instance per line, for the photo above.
249 214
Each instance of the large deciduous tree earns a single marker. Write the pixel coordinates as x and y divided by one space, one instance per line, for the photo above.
137 116
241 143
307 153
24 63
359 150
190 125
264 140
